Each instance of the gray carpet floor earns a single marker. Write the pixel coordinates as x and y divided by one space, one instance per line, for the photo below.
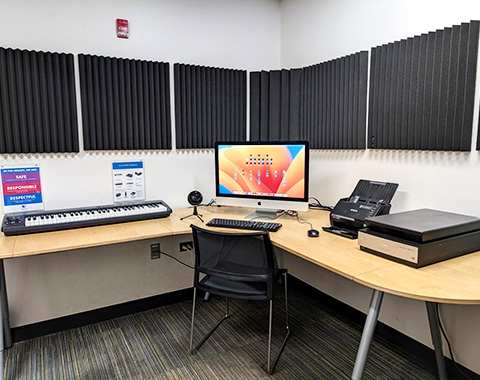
154 345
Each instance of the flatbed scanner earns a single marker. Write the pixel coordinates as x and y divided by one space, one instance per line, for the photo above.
420 237
369 198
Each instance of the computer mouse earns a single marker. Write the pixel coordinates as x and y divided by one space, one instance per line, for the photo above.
313 233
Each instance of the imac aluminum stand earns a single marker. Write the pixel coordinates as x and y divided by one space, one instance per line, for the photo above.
262 214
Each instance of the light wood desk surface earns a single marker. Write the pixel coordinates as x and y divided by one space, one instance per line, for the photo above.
455 281
6 246
335 253
57 241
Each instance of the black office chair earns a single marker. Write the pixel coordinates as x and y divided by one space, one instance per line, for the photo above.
237 265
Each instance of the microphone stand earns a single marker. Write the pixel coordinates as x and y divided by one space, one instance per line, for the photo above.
195 213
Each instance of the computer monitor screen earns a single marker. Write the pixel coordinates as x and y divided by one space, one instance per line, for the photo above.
268 176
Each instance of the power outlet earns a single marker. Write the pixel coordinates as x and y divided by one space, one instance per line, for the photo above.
155 251
186 246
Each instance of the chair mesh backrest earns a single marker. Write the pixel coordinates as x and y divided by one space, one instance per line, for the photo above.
245 256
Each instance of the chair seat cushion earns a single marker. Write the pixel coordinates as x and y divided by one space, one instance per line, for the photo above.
223 286
238 269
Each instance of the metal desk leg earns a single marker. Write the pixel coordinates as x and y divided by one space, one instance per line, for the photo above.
432 312
2 294
367 335
7 334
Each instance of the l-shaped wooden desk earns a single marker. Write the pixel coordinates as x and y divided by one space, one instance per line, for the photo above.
456 281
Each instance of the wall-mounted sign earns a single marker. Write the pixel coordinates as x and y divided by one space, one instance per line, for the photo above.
21 189
128 181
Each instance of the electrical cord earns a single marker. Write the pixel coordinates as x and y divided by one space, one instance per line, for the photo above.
177 260
316 205
304 222
284 212
293 214
449 345
212 201
290 213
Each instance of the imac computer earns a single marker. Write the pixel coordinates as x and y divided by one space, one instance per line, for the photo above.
268 176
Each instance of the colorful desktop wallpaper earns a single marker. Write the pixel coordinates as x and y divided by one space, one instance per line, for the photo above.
264 170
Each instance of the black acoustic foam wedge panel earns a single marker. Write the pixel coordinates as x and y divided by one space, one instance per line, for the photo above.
210 105
38 110
422 91
125 103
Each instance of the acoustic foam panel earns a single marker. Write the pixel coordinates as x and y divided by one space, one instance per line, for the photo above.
422 91
38 110
125 103
210 105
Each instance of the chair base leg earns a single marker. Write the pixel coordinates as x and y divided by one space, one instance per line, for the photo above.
195 349
270 370
270 365
227 315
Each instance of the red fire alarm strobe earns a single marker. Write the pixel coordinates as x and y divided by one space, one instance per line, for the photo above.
122 28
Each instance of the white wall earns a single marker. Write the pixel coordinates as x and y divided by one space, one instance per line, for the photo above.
243 34
231 34
318 30
315 31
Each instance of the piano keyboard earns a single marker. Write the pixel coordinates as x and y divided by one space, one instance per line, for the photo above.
43 221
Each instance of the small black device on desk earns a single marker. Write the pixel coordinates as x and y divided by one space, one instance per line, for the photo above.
369 198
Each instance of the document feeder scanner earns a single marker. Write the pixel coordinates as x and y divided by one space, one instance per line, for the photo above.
369 198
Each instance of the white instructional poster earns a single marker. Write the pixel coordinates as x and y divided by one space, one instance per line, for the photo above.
128 181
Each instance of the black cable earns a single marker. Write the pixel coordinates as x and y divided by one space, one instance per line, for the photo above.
212 201
316 205
177 260
293 214
283 212
280 213
304 221
449 346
